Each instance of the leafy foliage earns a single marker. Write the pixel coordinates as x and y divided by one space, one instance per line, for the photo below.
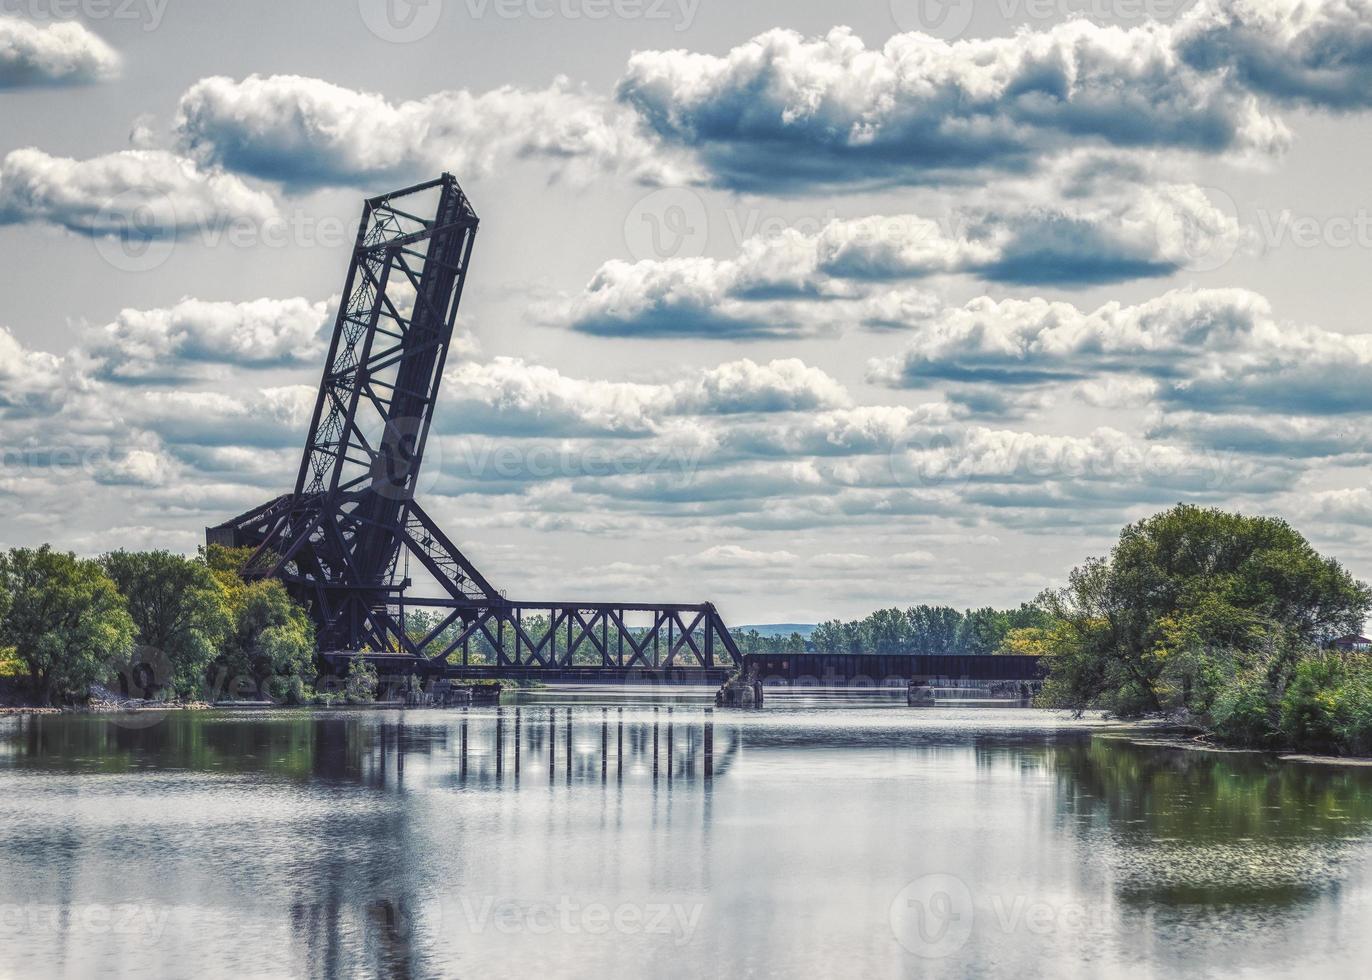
927 629
362 683
269 634
1207 611
178 610
65 620
1327 707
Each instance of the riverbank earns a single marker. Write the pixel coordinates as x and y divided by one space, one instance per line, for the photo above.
1163 734
484 692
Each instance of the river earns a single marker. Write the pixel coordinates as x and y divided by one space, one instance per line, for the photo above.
598 834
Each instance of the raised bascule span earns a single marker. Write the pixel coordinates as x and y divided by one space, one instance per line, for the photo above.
343 540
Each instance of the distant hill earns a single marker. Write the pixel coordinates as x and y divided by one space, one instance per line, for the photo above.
780 629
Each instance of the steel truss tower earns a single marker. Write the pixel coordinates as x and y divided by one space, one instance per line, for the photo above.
337 541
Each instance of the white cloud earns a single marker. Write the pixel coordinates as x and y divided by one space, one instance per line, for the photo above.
509 395
1310 52
308 132
688 297
1351 505
787 385
263 418
783 111
1221 368
30 381
1017 341
793 283
61 53
144 192
166 344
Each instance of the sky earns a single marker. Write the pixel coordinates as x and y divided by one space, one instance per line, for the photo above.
804 309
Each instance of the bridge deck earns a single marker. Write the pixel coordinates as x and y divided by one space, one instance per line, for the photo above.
833 669
847 668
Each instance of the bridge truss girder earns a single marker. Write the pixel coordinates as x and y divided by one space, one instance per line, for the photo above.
337 542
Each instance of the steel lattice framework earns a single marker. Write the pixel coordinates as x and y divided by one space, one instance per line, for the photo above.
337 540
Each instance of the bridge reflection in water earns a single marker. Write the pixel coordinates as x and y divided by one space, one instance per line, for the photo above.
555 745
350 843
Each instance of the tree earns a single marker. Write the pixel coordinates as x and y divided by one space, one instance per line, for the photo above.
178 610
66 620
886 631
270 634
1027 641
934 629
982 631
1189 598
828 637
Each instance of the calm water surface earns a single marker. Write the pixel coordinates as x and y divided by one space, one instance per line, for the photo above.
576 834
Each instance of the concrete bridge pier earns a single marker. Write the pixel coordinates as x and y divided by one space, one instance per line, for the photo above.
918 693
743 690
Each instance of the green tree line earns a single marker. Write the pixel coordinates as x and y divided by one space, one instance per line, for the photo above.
1218 617
1222 618
147 622
917 629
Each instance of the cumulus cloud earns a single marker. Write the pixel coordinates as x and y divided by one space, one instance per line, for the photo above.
1294 437
782 111
30 381
1222 368
262 418
62 53
796 283
1106 457
861 430
509 396
684 297
161 345
1351 505
1033 341
1125 231
148 193
1309 52
308 132
787 385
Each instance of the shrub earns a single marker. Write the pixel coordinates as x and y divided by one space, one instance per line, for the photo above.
1242 712
1313 709
362 683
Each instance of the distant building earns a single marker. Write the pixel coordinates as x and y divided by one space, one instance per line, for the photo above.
1355 642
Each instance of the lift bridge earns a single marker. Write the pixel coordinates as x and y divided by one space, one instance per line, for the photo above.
342 542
